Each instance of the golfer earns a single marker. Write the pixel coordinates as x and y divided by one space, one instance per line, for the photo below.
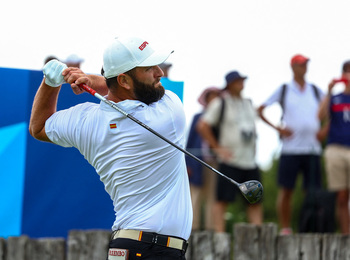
145 177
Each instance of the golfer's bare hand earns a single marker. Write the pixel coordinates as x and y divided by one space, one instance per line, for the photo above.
75 76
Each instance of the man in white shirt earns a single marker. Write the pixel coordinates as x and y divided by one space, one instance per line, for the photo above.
301 149
145 177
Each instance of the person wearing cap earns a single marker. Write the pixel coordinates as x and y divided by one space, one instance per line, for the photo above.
298 131
145 177
234 147
202 180
74 60
335 108
165 68
49 58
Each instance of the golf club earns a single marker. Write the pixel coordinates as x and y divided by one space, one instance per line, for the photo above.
252 190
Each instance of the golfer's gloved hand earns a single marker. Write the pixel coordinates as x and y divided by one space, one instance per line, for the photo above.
53 73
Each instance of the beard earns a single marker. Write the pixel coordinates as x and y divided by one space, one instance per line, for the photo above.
147 93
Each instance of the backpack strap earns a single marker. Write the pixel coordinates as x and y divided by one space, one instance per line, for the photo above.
282 98
216 128
316 92
222 109
283 95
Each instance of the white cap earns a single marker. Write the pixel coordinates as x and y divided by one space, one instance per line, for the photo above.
74 59
124 54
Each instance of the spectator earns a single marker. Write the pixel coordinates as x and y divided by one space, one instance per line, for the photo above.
235 146
165 68
336 110
300 148
74 61
49 58
202 179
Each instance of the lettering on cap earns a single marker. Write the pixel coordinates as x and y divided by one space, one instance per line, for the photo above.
143 45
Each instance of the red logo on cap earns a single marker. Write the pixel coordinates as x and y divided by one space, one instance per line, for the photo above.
143 45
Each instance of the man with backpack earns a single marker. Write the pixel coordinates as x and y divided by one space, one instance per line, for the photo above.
301 149
234 144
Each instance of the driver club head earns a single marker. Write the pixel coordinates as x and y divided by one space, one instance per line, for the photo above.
251 190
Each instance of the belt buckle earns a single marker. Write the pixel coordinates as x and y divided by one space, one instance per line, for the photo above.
155 239
147 237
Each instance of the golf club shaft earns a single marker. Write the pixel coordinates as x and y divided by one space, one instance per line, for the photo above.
113 105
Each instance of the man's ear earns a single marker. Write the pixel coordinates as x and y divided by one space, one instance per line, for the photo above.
124 81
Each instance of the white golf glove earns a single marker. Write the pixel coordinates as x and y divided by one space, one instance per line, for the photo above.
53 73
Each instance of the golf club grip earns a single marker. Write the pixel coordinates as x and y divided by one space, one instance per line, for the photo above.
88 89
94 93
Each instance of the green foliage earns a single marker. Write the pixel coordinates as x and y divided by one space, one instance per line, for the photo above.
237 210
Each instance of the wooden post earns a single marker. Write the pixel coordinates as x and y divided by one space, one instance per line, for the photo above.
336 247
246 242
310 246
16 248
250 242
92 244
201 245
222 246
46 249
2 248
299 246
267 242
288 247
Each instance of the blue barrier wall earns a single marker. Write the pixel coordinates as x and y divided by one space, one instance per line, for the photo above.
46 190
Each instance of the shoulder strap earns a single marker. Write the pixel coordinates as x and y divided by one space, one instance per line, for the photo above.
222 109
283 94
317 93
282 97
216 128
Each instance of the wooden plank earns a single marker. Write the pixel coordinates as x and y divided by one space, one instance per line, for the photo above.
344 247
46 249
288 247
92 244
2 248
16 248
246 242
331 246
250 242
310 246
222 246
267 238
202 247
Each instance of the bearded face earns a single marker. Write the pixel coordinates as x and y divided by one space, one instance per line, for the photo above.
147 93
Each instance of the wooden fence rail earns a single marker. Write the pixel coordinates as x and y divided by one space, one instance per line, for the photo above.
248 242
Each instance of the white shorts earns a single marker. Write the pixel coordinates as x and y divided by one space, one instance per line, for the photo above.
337 162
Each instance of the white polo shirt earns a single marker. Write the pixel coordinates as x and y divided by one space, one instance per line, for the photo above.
300 115
145 176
